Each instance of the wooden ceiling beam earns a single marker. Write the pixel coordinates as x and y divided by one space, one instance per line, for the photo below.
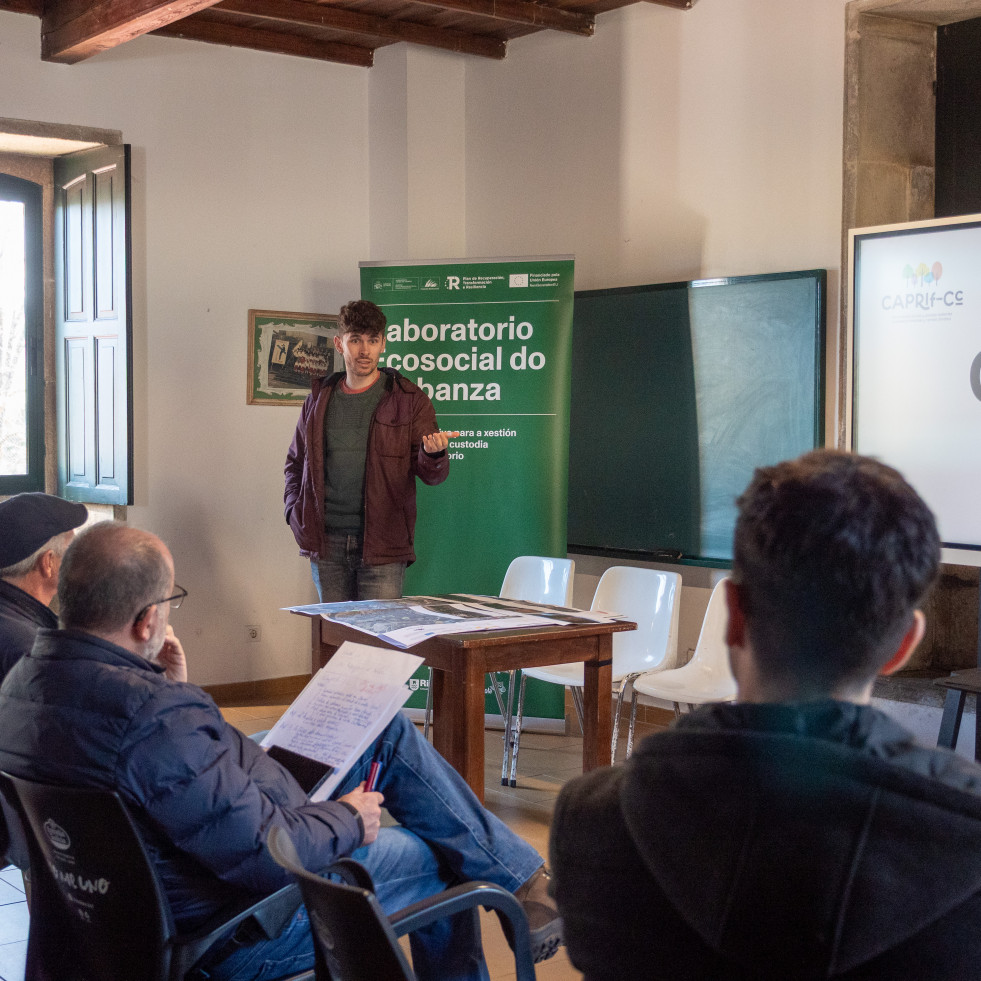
353 22
22 6
521 12
72 30
202 27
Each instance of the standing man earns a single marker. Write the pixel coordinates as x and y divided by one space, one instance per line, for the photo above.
363 437
798 833
35 530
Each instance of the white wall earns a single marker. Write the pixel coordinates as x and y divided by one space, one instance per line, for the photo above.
250 190
671 145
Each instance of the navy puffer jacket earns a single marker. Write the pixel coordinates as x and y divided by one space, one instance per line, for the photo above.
82 711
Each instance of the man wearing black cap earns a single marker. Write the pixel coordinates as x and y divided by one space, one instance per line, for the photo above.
35 530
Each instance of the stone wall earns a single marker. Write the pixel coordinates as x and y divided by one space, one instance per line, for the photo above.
888 176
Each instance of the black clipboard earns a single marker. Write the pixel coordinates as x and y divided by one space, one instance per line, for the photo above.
308 773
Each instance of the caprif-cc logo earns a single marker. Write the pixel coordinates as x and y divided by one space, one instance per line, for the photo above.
919 296
57 835
922 274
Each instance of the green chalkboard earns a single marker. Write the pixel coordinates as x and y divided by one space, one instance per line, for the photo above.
679 391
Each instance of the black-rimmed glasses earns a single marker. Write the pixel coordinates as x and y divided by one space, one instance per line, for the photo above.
174 601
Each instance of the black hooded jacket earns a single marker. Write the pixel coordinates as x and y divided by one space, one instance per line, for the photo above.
21 617
774 842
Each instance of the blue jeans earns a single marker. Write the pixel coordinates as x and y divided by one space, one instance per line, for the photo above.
445 836
342 576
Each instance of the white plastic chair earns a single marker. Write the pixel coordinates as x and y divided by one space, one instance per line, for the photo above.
650 597
536 579
705 678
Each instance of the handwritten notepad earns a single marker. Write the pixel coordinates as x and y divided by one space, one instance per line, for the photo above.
344 707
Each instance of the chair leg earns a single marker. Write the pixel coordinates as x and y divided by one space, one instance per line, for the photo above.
492 676
429 706
633 721
627 682
506 713
516 734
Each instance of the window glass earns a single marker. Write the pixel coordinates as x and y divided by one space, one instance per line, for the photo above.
13 340
21 337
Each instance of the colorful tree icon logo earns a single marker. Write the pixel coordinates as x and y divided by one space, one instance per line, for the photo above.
922 274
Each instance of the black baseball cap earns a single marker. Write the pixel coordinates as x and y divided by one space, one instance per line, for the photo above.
27 521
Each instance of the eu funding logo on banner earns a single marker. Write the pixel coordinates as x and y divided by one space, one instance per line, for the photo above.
401 284
477 281
920 294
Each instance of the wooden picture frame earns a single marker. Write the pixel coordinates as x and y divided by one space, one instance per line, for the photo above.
285 351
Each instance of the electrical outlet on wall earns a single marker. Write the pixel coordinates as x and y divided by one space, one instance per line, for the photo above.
253 632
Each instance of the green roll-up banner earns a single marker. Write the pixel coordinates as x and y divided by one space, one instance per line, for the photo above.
490 342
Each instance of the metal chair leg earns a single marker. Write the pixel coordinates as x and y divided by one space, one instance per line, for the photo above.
506 714
516 734
633 720
497 692
627 682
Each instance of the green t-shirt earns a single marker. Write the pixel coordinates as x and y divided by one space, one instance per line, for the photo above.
346 428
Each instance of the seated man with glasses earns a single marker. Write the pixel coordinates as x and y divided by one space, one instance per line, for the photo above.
104 701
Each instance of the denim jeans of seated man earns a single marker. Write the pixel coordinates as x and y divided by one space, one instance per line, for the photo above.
445 836
342 576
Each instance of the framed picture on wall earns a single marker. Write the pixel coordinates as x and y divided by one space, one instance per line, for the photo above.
285 351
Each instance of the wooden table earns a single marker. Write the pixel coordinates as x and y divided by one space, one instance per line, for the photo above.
959 685
460 662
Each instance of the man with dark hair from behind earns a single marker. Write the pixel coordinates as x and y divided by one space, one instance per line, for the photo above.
104 702
798 833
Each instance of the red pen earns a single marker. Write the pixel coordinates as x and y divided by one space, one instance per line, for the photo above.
373 775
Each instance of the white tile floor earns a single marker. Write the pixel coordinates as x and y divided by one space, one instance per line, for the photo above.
13 925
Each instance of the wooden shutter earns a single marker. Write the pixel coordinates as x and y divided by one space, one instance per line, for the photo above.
93 326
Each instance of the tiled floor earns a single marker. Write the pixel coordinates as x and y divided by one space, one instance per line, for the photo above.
13 925
546 762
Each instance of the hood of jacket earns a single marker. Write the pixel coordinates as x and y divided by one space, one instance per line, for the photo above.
826 838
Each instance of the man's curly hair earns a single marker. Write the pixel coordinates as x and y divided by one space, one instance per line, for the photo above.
833 552
361 317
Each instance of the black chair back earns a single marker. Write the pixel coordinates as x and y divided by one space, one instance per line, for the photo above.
97 910
14 851
352 937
